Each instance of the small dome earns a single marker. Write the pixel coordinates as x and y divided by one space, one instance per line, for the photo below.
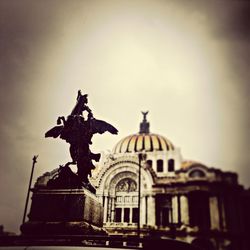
139 142
190 164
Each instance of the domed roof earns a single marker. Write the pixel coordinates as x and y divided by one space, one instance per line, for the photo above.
190 164
143 141
139 142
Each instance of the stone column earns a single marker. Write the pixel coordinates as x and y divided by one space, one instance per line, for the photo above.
222 215
112 217
175 209
105 209
184 210
179 208
130 214
108 209
214 213
122 215
143 211
151 211
224 222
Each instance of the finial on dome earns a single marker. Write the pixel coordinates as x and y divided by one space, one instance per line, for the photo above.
144 125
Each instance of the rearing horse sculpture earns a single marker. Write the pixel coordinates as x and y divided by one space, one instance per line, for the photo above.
78 132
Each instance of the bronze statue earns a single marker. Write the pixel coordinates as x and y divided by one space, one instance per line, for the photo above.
144 115
78 132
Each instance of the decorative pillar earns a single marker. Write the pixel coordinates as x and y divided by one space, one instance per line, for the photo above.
179 209
122 215
151 211
222 216
108 209
184 210
175 209
112 209
143 211
105 212
130 214
214 213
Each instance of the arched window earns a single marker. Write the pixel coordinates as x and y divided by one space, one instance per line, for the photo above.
197 173
149 163
159 165
126 203
170 165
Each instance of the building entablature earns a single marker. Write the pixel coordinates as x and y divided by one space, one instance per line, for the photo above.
213 188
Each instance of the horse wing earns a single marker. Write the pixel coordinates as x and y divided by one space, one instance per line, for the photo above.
54 132
100 127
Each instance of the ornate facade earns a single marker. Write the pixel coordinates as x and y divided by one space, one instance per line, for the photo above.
146 188
181 199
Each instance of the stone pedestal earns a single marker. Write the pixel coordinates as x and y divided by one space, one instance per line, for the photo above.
64 211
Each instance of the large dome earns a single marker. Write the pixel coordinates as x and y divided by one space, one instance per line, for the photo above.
143 141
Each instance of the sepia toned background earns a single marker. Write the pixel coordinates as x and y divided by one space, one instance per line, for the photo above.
187 62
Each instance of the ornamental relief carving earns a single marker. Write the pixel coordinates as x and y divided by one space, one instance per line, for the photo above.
126 185
122 181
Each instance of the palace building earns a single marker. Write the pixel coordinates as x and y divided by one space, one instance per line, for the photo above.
148 189
182 199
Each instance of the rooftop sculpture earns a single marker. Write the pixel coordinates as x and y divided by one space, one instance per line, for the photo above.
78 131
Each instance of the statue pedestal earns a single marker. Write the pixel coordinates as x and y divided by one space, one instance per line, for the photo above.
64 212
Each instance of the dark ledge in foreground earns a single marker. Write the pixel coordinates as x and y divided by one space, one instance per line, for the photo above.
129 242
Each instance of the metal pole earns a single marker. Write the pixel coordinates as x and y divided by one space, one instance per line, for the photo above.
139 196
28 194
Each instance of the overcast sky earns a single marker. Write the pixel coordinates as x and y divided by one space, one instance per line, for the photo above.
187 62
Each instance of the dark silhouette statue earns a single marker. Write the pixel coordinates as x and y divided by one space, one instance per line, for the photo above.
144 115
78 131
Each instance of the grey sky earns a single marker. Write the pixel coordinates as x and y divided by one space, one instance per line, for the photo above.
187 62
